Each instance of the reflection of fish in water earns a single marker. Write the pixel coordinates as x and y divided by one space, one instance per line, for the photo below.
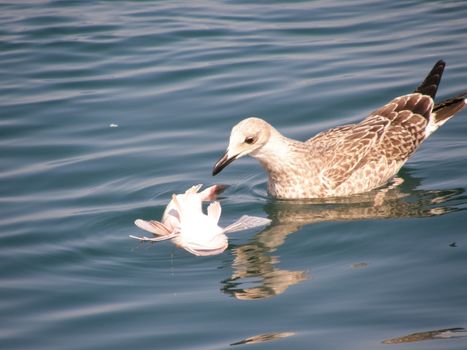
430 335
188 227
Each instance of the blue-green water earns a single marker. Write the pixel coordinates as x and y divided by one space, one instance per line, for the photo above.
109 107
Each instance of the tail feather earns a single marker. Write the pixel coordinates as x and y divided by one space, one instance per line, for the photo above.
447 108
430 85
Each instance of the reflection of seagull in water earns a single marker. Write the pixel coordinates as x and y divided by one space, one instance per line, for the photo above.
386 203
256 273
348 159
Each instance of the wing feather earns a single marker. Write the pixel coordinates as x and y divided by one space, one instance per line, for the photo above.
153 226
214 211
393 131
246 222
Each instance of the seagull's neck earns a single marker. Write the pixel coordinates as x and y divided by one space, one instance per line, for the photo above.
279 153
289 164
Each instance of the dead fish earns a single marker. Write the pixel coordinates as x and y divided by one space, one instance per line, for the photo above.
185 223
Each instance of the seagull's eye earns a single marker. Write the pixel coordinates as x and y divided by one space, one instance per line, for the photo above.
250 140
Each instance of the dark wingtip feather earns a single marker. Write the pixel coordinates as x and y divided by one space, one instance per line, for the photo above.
430 85
447 108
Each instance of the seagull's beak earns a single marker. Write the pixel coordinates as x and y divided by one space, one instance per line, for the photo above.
223 162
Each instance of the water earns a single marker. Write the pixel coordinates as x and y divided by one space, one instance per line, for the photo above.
109 107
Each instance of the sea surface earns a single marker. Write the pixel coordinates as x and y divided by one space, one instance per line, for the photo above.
107 108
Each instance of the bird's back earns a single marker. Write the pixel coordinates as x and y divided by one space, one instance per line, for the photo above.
358 157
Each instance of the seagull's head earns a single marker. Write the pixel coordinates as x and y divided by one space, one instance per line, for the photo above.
247 137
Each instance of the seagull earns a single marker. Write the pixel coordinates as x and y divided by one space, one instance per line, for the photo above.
185 223
347 159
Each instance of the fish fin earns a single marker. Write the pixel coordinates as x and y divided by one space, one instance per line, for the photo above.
155 239
153 226
246 222
214 211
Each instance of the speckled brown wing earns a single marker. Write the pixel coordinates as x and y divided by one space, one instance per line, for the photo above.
408 118
344 148
393 131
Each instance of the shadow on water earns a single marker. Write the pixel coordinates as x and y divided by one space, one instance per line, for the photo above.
255 271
